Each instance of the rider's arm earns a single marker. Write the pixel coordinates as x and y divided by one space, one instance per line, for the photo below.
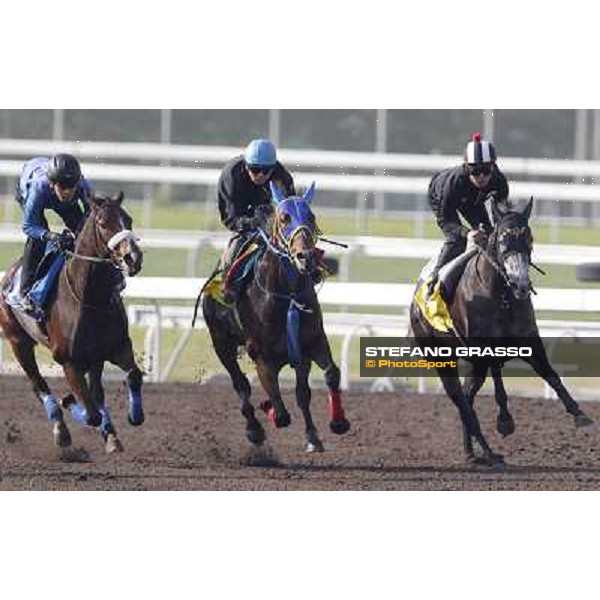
33 221
228 208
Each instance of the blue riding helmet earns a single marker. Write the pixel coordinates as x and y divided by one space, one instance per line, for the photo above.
261 153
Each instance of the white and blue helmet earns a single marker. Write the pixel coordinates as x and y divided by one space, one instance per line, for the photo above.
260 153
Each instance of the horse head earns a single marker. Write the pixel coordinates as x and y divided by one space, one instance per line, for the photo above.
113 236
295 227
512 243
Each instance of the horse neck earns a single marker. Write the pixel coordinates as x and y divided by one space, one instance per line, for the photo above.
272 272
78 271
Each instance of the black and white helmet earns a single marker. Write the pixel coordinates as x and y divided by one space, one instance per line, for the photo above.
479 152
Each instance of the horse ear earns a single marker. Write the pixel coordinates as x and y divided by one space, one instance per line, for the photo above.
276 192
119 197
499 209
528 209
309 193
96 200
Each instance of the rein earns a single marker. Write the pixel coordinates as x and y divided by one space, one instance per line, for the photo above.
111 244
115 240
289 269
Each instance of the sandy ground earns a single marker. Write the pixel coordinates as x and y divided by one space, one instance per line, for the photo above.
193 439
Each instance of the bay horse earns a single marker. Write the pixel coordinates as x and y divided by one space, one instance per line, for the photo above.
279 321
490 305
86 324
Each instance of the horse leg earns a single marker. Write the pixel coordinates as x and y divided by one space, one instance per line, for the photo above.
303 396
541 365
112 443
505 423
23 350
226 349
469 419
474 379
126 362
268 375
89 413
322 356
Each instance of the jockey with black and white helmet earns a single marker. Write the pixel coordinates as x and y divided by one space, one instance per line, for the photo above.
461 192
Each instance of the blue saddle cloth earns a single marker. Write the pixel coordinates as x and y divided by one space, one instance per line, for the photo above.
49 270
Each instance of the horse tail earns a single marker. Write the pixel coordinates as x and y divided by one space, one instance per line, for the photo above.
198 299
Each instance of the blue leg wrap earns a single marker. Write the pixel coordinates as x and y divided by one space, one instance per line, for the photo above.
106 426
52 408
136 414
293 336
79 413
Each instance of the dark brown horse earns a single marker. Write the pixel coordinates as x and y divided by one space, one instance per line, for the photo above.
86 324
492 306
281 323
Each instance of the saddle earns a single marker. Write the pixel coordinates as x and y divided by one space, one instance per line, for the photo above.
435 308
40 294
236 277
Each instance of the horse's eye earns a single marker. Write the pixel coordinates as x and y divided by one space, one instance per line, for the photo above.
286 219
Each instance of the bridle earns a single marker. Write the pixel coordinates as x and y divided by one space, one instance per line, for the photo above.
110 245
495 240
279 243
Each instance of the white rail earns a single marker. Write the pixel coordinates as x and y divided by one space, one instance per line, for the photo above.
300 158
370 246
325 181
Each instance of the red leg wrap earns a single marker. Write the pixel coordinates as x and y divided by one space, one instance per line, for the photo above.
336 412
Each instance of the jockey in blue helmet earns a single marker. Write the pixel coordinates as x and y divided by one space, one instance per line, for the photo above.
244 195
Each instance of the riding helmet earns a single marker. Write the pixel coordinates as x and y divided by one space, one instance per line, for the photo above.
64 169
261 153
479 151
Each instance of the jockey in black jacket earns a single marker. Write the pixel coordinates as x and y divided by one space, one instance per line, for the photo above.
244 195
462 191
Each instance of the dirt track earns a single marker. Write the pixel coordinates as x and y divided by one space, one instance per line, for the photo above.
193 439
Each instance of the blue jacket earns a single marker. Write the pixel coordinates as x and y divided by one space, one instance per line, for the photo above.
38 196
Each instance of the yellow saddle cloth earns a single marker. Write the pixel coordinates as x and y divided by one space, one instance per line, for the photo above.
434 309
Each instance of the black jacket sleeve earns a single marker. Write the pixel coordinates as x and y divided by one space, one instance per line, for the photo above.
226 198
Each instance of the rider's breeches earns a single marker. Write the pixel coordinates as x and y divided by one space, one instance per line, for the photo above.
454 245
231 253
32 256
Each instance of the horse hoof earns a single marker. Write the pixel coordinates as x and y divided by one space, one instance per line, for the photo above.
256 436
582 420
113 444
137 419
505 426
316 446
340 427
281 421
62 435
94 420
68 401
495 461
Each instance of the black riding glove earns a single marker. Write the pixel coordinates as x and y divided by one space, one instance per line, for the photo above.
62 241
